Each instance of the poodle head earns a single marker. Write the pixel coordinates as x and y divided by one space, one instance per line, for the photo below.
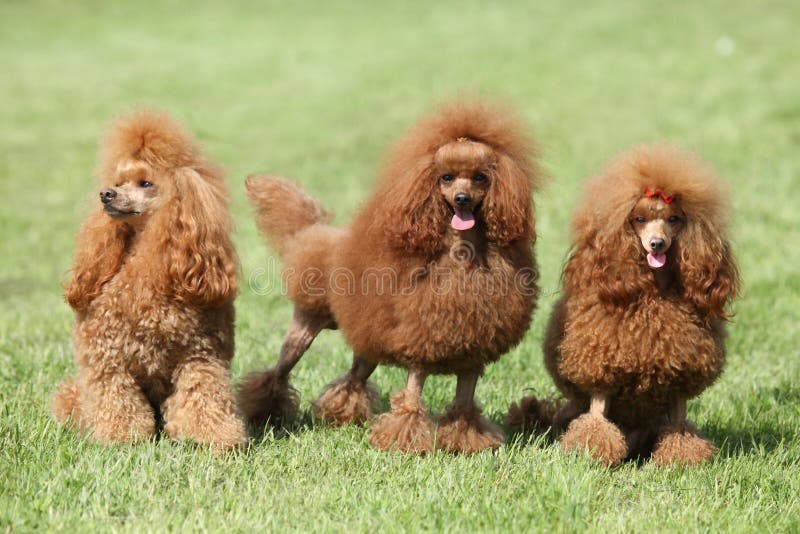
139 164
156 184
657 220
134 194
465 167
655 209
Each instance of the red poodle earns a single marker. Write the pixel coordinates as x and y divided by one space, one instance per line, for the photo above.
640 328
152 287
436 275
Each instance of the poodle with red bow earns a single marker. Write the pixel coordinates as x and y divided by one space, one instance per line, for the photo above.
436 275
640 328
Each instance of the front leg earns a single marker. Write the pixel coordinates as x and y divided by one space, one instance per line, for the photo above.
407 427
594 433
350 399
201 407
679 442
113 408
463 428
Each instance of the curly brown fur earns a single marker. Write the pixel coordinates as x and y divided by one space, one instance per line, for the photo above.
406 428
152 287
409 283
681 445
644 326
65 403
598 436
266 396
345 402
464 430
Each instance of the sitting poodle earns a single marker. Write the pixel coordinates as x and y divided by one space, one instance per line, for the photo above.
152 288
436 275
640 327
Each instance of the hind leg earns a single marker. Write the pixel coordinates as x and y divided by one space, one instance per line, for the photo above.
463 428
267 395
594 433
407 427
201 408
350 399
679 443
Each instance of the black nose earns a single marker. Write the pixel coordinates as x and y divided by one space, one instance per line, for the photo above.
107 195
657 244
463 199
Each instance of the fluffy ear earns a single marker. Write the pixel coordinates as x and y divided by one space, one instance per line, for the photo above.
201 261
411 214
507 208
707 268
606 264
99 250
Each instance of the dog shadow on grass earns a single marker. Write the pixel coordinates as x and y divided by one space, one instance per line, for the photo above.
769 430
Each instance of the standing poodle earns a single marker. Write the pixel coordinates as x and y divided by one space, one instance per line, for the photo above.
640 327
152 288
436 275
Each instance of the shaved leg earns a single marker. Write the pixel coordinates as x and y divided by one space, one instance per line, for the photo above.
415 383
407 427
598 406
350 399
303 329
462 428
677 411
266 395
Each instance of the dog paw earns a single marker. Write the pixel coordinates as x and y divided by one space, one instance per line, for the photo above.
465 430
682 445
407 428
598 436
343 402
267 397
532 414
109 429
222 432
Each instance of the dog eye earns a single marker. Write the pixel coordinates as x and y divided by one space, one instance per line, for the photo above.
447 178
673 219
640 219
480 177
145 183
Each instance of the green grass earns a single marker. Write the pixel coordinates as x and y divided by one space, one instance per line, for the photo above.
316 91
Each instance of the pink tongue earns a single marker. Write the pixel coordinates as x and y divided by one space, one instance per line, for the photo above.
656 261
463 220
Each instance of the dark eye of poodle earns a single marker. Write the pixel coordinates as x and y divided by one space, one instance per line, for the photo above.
673 219
640 219
447 178
145 183
480 177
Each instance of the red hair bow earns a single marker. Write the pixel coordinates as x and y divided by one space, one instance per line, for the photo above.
650 193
